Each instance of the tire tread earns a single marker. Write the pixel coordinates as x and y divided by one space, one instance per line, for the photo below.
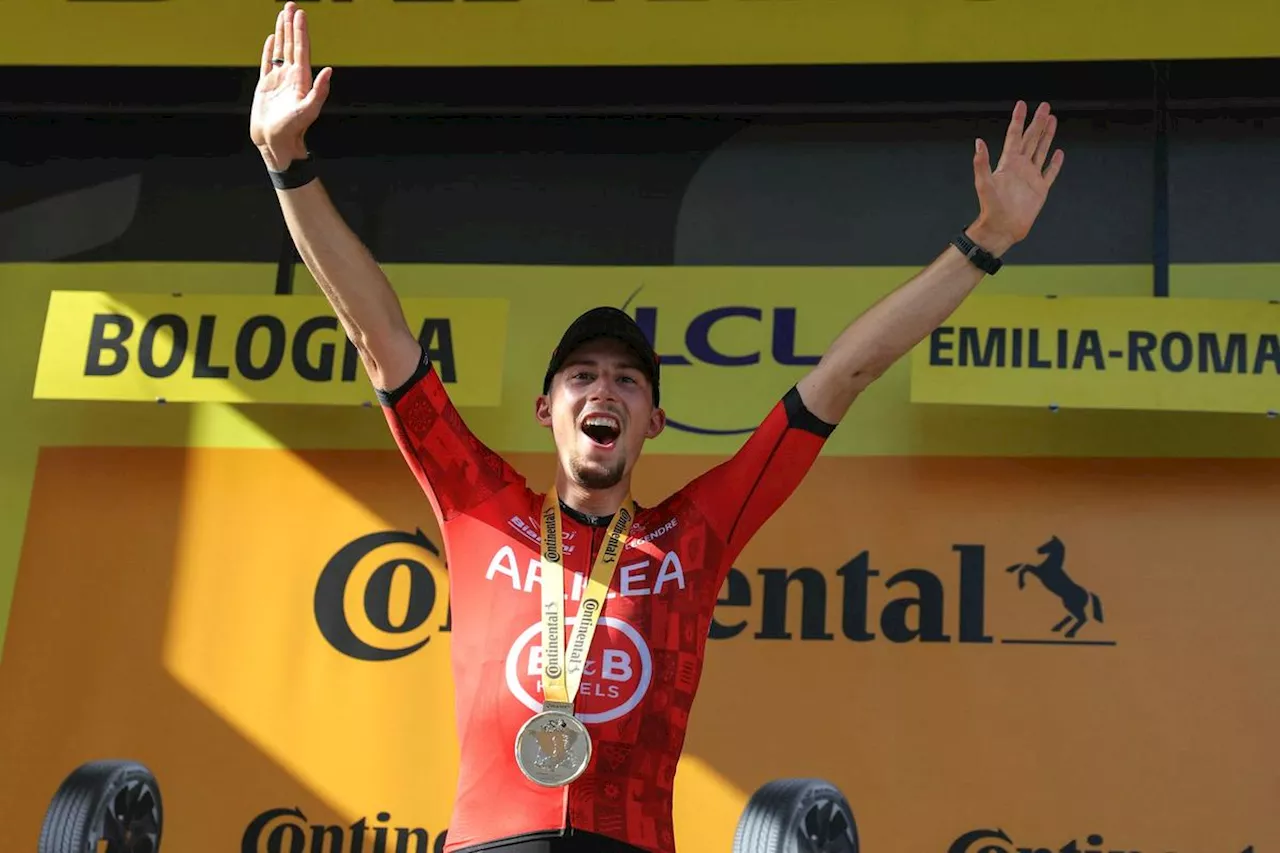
75 809
773 810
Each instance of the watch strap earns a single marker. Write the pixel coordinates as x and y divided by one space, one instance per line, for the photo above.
978 256
298 173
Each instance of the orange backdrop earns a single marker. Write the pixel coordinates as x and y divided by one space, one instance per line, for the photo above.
165 610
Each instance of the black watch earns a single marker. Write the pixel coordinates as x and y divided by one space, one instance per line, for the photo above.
297 174
978 256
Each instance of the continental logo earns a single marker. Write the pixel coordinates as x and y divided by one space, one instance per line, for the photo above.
1078 602
551 616
998 841
353 599
237 349
284 830
913 605
614 545
549 516
586 616
859 601
1212 355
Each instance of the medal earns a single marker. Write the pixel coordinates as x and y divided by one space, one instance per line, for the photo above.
553 747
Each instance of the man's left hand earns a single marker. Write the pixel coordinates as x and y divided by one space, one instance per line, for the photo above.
1012 196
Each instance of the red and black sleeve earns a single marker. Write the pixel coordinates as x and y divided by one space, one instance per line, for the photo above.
740 494
456 470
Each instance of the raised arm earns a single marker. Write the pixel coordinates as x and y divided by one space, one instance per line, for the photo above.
454 468
1010 199
285 103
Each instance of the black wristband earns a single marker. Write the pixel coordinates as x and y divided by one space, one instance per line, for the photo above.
978 256
297 174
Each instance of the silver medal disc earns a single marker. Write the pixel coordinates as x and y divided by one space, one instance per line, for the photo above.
553 748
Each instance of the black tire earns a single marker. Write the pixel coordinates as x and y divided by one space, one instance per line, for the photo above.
115 801
797 816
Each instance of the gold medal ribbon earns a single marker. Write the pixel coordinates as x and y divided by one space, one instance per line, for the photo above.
561 677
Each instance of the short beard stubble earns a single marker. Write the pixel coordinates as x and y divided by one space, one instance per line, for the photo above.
594 476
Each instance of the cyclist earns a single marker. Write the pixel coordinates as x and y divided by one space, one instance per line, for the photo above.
580 618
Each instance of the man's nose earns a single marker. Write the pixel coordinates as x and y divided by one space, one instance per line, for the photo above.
602 388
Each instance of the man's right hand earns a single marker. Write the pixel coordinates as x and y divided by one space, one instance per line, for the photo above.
285 104
287 98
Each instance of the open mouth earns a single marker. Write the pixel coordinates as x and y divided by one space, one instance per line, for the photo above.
603 430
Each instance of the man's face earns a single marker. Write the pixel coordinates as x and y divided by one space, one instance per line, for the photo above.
600 410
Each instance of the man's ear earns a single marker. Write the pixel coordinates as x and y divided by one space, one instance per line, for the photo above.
657 421
542 410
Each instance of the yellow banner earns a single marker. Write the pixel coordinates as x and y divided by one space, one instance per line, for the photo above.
1202 355
638 32
250 349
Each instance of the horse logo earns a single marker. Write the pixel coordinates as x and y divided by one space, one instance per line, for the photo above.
1051 573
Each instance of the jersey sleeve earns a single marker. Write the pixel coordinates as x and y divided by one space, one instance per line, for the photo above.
740 494
456 470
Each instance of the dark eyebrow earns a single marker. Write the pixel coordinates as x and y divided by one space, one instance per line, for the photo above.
633 364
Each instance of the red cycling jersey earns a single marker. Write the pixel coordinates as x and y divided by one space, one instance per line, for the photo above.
646 659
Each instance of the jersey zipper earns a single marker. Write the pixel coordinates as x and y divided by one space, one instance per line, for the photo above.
588 560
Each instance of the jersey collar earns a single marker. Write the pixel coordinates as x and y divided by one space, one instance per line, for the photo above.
585 518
